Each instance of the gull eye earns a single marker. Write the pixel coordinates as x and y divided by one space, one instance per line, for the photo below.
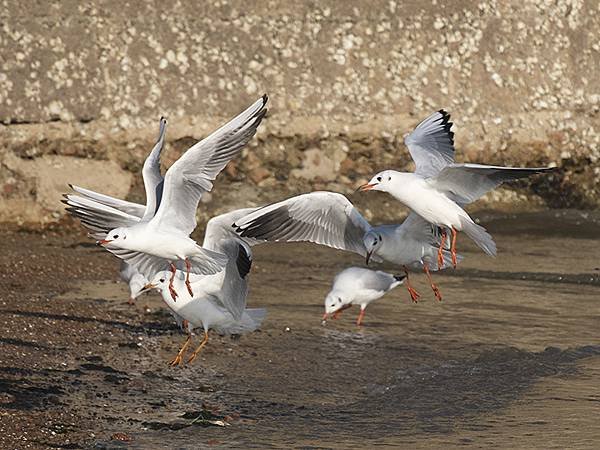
162 280
389 178
378 178
116 236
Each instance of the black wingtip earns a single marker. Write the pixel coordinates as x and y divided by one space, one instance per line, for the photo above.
71 186
399 277
447 124
243 262
265 99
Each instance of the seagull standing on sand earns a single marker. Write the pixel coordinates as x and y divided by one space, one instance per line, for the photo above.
438 188
330 219
163 241
358 286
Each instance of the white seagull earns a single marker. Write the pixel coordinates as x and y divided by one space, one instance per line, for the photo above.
438 188
153 182
162 242
219 300
135 280
330 219
358 286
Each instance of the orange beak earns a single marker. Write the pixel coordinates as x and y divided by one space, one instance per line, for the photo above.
367 187
147 287
103 242
325 317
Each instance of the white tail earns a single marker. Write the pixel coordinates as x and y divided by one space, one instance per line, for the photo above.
478 234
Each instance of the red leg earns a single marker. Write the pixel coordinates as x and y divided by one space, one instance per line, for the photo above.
441 251
414 295
435 289
188 266
453 247
361 315
171 287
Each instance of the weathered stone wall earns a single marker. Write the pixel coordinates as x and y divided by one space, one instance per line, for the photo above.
82 86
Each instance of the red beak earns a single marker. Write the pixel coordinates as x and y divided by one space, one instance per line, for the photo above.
367 187
103 242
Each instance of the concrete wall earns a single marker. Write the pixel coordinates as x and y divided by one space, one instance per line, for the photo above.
82 87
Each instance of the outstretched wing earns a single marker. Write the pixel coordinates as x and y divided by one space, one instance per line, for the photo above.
325 218
153 179
192 174
208 263
131 208
220 228
98 218
431 144
465 183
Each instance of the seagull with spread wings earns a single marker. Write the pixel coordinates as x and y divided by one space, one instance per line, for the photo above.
159 240
439 188
330 219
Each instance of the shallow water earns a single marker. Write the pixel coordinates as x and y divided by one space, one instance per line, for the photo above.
509 359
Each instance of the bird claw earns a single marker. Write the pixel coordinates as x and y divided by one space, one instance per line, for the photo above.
437 293
189 287
414 295
173 292
177 361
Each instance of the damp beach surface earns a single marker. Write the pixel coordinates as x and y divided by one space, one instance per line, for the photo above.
509 359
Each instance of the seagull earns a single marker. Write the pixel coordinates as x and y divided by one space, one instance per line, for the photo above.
358 286
219 300
135 280
439 188
329 218
160 240
153 181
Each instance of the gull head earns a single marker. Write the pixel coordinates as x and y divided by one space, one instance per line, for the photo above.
160 281
116 237
379 182
335 301
372 241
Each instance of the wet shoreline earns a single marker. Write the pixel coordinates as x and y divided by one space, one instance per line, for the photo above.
510 358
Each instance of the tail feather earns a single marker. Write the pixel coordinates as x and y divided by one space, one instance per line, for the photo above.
479 235
250 321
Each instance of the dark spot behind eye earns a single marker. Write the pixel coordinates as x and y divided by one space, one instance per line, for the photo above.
389 178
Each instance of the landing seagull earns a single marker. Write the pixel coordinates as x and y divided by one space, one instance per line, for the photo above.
439 188
358 286
219 300
218 237
163 242
153 182
330 219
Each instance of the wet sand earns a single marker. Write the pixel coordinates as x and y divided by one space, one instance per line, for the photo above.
509 359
